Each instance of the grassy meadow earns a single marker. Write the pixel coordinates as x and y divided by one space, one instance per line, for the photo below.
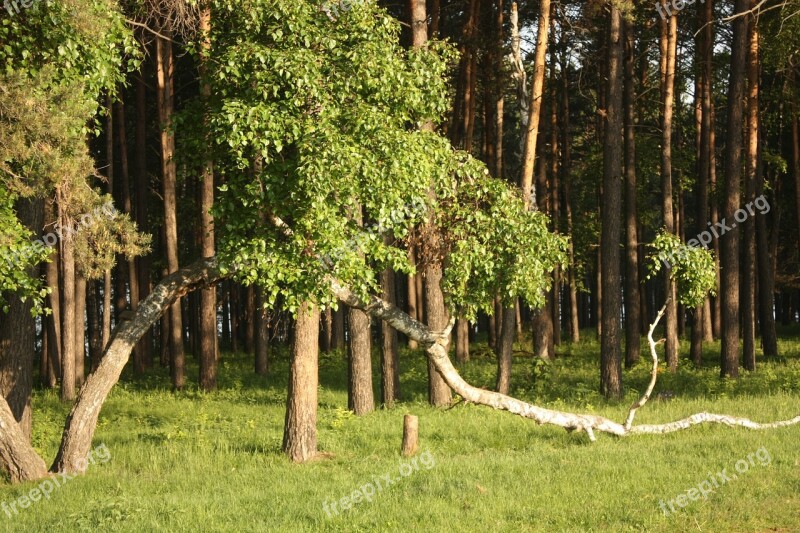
212 462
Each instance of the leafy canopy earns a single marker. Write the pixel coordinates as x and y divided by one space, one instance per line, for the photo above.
315 118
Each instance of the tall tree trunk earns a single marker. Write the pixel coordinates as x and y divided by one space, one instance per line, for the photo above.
729 245
360 397
566 169
300 427
390 358
751 176
80 329
18 334
668 46
701 325
208 296
411 296
531 135
716 324
142 187
633 317
68 318
106 337
462 340
555 316
338 339
93 323
435 310
165 71
611 361
125 196
261 320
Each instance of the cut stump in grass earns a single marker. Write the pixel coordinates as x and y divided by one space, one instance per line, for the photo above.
410 435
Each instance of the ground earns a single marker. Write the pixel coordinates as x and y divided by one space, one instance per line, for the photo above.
212 462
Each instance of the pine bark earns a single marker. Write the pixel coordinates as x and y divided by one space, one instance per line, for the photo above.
611 361
633 317
208 295
668 46
390 358
729 245
751 176
165 71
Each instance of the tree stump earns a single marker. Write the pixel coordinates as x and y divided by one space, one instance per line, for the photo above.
410 435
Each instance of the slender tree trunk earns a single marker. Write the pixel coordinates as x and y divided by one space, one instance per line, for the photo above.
411 296
390 360
250 320
532 133
462 340
729 245
67 246
261 334
555 317
716 324
611 361
566 169
300 427
125 195
142 195
93 321
208 296
505 352
106 338
751 176
668 45
632 298
80 329
165 95
338 329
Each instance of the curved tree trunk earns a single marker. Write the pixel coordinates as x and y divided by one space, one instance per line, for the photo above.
82 419
300 427
17 455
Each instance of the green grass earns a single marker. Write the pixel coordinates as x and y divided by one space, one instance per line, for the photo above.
212 462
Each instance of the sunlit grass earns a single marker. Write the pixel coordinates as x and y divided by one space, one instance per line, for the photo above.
212 462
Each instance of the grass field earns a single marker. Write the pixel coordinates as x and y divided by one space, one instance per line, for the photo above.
212 462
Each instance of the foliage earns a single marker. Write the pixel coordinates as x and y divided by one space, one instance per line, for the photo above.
58 57
315 119
691 267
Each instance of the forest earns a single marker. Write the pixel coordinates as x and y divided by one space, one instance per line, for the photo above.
366 265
